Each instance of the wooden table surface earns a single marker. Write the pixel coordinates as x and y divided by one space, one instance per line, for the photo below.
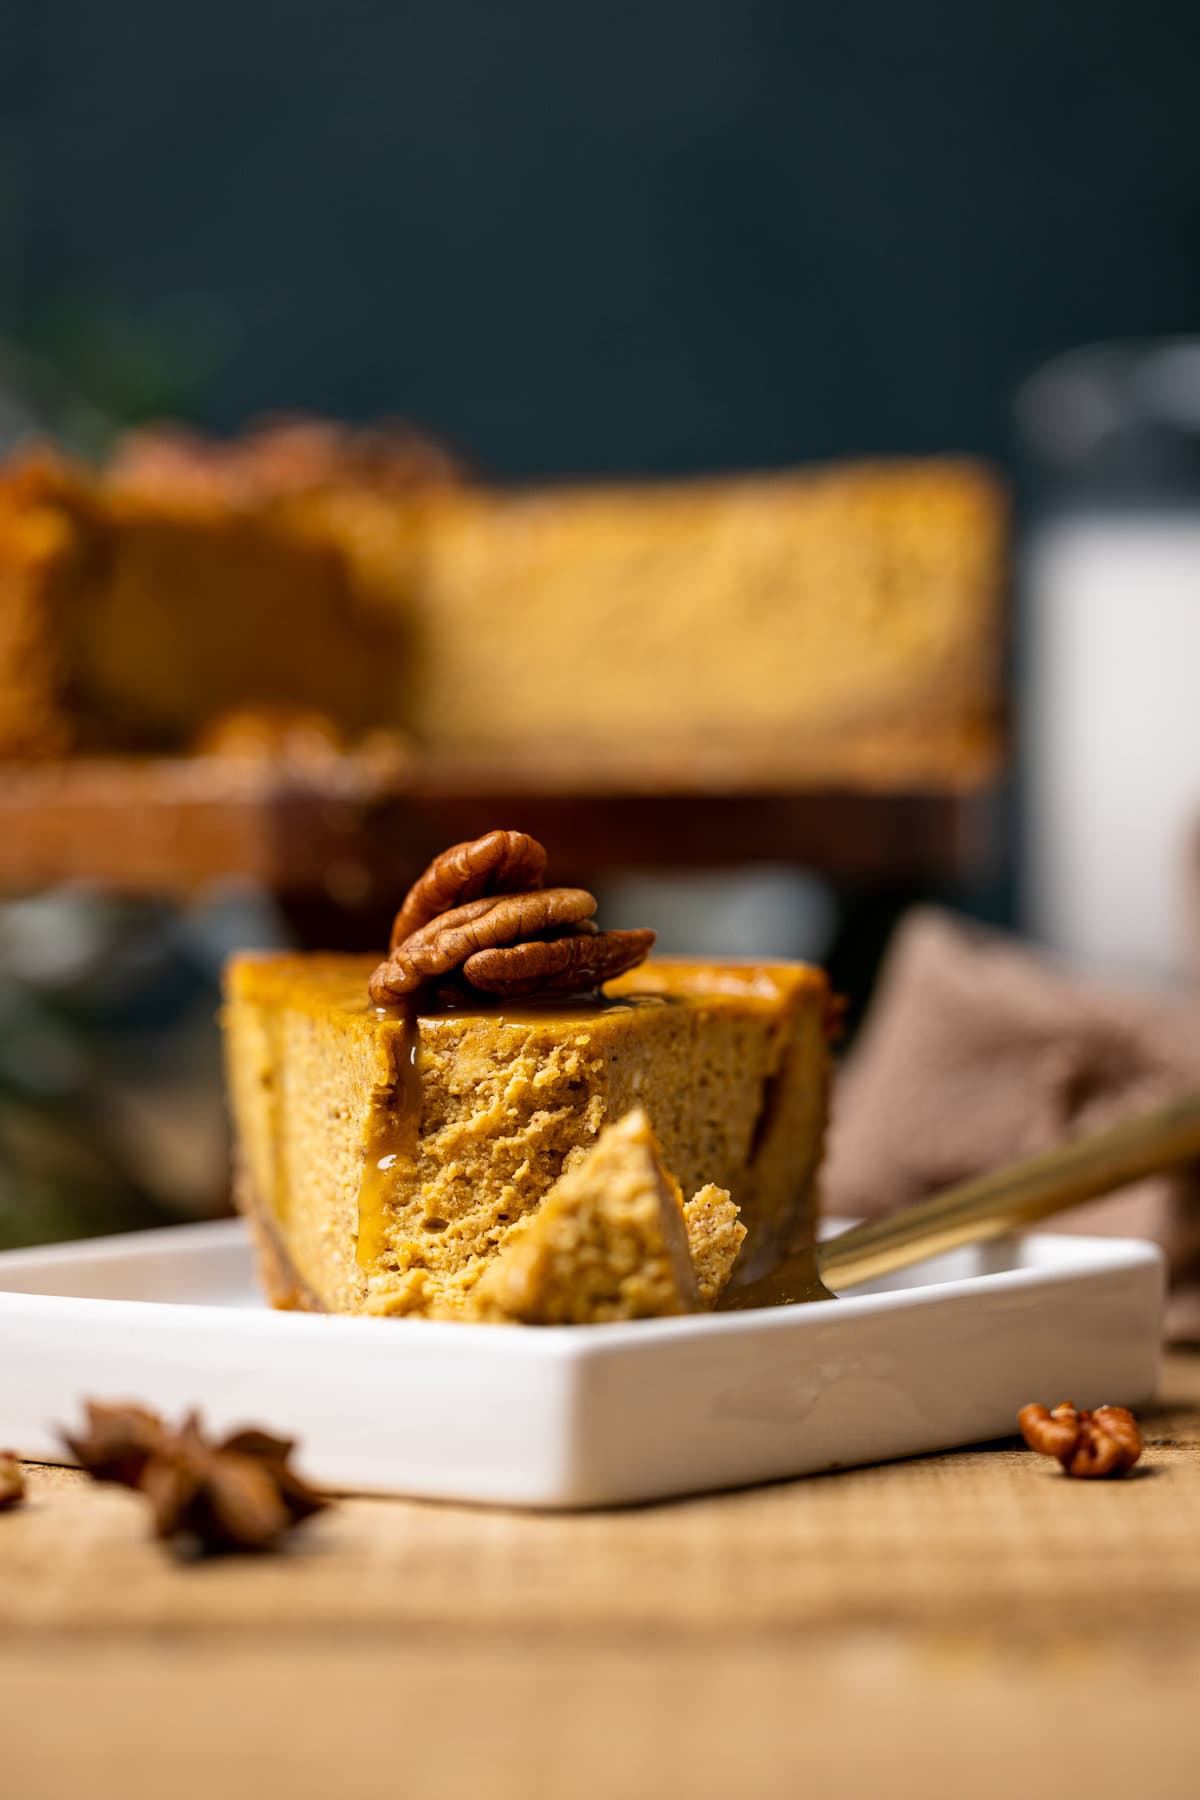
969 1625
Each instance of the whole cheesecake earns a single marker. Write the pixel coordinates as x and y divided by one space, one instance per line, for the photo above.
838 626
387 1153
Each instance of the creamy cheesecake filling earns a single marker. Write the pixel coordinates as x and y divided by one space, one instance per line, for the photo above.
393 1153
393 1131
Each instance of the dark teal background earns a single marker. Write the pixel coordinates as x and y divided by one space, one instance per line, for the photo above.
656 235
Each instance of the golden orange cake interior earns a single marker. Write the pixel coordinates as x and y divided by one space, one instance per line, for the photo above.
388 1154
609 1242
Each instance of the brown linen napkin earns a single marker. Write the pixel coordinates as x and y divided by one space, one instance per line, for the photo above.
978 1051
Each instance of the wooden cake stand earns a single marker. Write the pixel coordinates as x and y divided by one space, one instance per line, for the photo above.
336 840
344 829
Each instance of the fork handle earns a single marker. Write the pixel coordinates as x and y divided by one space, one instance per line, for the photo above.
993 1205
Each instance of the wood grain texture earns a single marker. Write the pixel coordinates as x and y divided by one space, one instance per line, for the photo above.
963 1624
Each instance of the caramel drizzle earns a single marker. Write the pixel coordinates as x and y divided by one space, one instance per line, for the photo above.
393 1133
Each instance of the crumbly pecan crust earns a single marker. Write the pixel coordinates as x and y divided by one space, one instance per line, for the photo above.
1105 1441
238 1494
480 918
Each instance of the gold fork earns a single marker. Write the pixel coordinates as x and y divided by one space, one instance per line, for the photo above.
987 1207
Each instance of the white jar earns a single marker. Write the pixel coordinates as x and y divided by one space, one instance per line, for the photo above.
1110 661
1111 740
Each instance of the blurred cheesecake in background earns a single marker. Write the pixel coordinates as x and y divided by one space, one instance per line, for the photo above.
838 626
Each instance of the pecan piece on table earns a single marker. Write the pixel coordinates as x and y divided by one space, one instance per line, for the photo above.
563 965
1105 1441
450 940
238 1494
12 1480
502 862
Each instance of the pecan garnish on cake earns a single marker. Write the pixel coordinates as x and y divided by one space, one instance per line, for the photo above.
479 917
502 862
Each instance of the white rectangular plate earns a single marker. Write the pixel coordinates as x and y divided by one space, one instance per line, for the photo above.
576 1416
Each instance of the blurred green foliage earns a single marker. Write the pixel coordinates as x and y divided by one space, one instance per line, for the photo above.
130 364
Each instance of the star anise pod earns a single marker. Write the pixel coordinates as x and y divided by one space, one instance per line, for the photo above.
12 1480
238 1494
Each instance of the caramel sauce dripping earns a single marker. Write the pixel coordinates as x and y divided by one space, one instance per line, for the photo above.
394 1127
392 1133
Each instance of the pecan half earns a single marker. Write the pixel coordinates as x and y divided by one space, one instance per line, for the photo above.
562 965
479 917
502 862
448 942
1105 1441
12 1480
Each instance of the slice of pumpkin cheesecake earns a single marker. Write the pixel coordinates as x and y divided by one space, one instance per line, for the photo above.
396 1123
